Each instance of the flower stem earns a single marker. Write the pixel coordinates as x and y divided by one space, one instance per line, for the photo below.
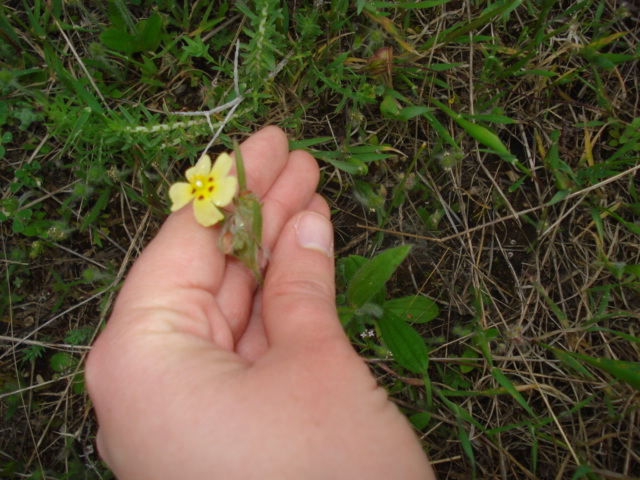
242 181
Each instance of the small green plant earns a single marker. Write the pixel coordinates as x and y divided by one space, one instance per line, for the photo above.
364 306
33 352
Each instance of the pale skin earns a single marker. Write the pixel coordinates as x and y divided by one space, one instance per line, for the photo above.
199 374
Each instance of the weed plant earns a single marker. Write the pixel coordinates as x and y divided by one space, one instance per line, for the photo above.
481 159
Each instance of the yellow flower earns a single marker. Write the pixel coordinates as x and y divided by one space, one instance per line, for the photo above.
209 188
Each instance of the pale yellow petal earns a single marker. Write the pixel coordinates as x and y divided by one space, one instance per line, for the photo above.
206 212
225 191
223 165
180 194
202 168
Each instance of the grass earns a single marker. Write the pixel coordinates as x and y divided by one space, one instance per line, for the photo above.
498 139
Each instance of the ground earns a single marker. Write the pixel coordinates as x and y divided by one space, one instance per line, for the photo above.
531 256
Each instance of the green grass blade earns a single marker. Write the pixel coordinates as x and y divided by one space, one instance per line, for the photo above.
628 372
502 379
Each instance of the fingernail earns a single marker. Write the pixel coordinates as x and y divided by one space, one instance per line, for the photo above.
314 232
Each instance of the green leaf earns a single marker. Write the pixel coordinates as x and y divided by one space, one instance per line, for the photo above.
99 206
309 142
408 113
373 275
413 308
241 235
389 107
558 197
482 339
420 420
492 118
570 361
150 32
628 372
465 441
468 353
119 40
482 135
352 166
630 338
442 132
61 361
407 346
427 4
509 387
348 267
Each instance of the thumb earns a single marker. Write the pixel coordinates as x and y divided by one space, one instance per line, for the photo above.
299 308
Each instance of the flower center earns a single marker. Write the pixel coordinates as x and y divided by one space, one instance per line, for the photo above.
202 186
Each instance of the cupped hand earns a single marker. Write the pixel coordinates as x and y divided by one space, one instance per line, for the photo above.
200 374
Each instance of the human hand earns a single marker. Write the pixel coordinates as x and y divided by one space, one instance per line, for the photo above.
200 374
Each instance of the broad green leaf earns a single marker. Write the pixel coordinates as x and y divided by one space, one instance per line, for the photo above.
468 353
348 267
345 314
119 40
373 275
405 343
413 309
61 361
420 420
150 32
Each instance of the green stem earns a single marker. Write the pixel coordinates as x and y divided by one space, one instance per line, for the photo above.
242 180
